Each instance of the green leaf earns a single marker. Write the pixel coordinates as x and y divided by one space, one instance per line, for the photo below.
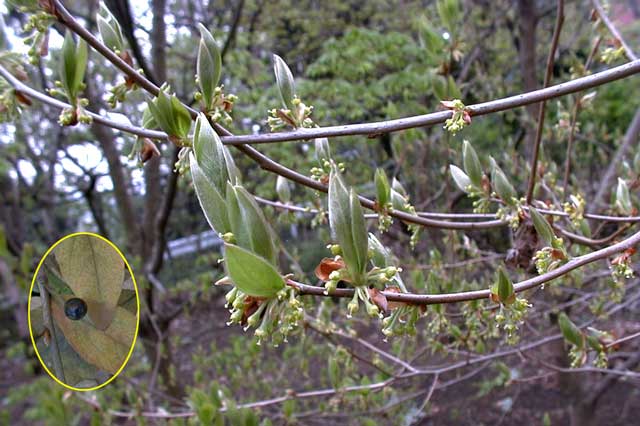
160 109
148 119
172 117
504 288
348 227
462 180
248 224
383 190
501 185
181 116
208 66
543 228
380 255
570 331
209 153
212 203
285 82
95 273
73 65
453 89
471 164
252 274
82 55
283 190
623 199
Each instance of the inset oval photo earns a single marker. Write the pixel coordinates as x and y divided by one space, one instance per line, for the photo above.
83 311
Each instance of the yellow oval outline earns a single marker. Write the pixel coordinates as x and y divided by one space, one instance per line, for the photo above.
135 336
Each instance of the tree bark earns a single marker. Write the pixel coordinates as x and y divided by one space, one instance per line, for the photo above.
528 21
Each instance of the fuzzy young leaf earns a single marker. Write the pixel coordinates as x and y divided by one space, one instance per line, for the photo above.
73 65
248 225
347 224
109 28
543 228
380 255
284 79
208 66
160 109
283 190
232 170
322 152
212 202
462 180
471 163
623 199
172 117
252 274
570 331
398 201
383 190
181 116
209 153
501 185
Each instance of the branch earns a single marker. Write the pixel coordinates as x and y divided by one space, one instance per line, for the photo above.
373 128
41 97
547 78
431 119
430 299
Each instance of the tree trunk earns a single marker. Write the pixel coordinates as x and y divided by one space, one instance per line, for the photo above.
528 21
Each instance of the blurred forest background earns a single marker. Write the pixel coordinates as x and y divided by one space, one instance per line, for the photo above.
354 62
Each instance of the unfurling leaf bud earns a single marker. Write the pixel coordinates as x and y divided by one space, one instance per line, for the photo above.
208 66
462 180
471 164
283 190
285 82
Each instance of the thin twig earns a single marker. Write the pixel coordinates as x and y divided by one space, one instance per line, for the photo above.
613 30
623 339
547 79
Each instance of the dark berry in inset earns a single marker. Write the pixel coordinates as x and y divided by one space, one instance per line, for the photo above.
75 309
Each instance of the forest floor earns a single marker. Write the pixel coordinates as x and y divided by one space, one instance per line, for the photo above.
533 391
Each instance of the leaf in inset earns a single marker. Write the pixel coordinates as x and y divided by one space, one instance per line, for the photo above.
103 349
94 271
